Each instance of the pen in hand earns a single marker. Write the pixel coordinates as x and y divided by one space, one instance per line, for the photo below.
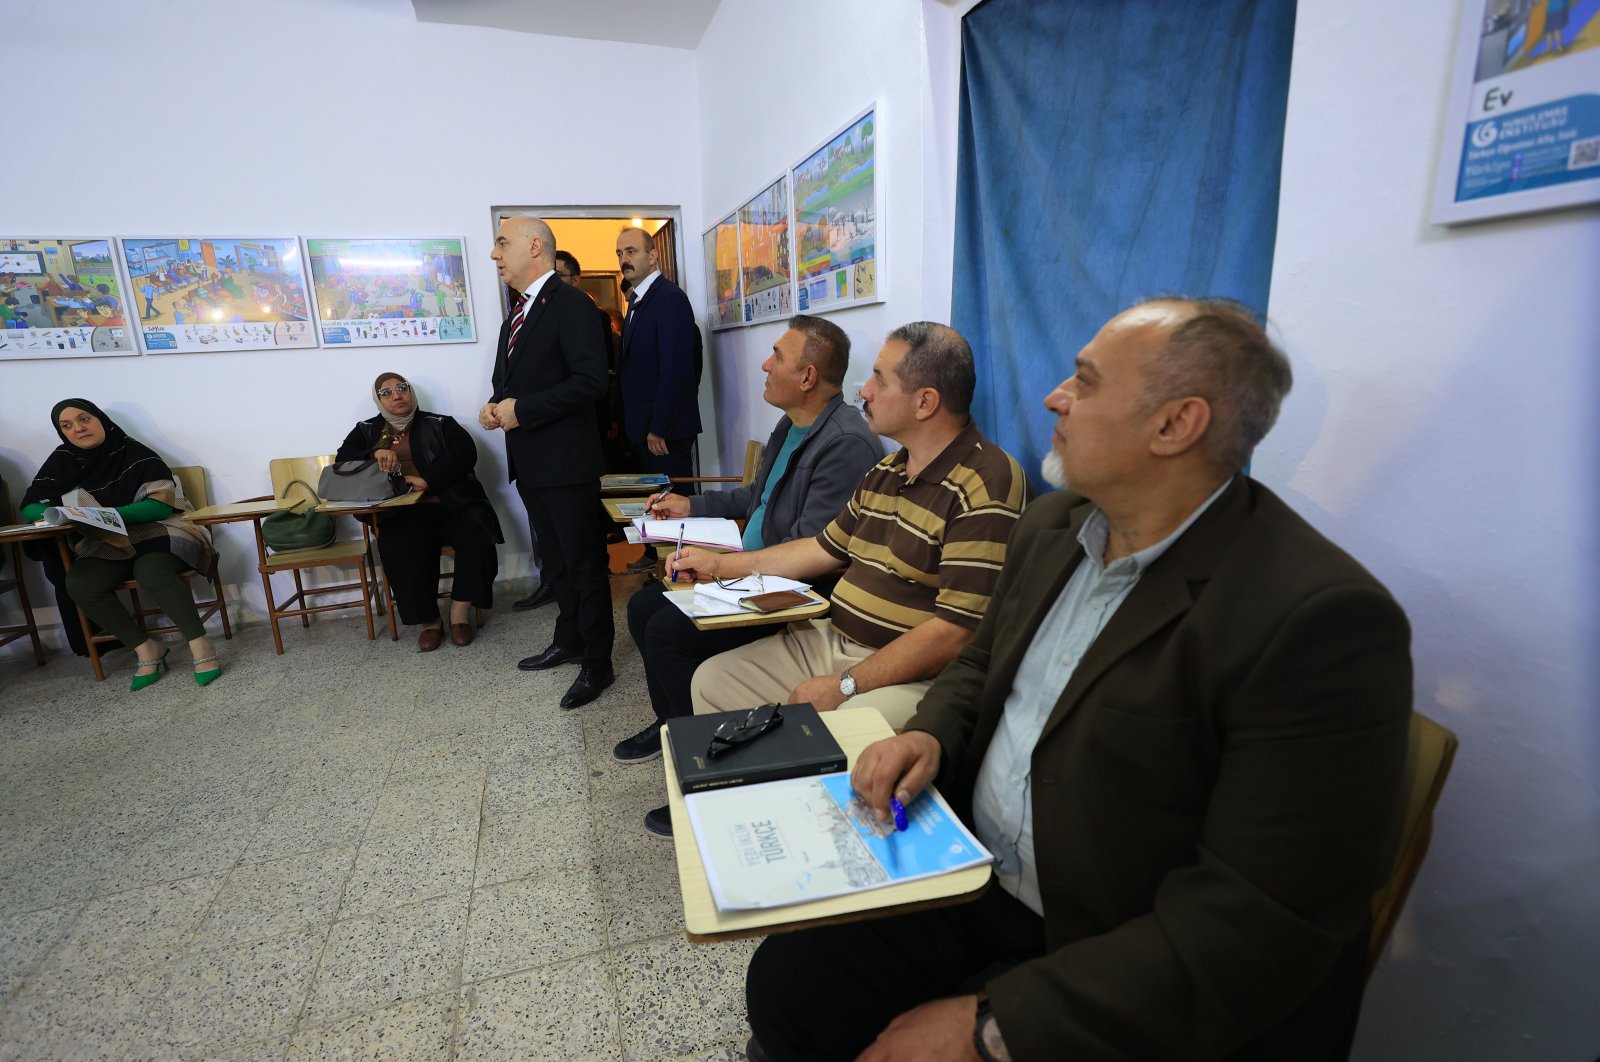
677 554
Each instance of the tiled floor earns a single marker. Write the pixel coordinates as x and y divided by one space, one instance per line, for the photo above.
349 851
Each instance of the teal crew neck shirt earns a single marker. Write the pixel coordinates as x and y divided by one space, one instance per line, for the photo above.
791 443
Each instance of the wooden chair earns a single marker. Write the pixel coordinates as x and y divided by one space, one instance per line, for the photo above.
11 579
192 479
1430 750
285 471
753 453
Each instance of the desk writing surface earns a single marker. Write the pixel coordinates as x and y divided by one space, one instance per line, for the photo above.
340 508
616 514
816 610
855 729
32 532
231 511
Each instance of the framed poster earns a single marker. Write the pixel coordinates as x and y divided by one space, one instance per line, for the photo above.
1523 126
390 292
764 254
60 298
724 276
211 293
836 218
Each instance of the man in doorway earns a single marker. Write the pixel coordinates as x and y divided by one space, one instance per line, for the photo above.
549 370
1181 730
659 368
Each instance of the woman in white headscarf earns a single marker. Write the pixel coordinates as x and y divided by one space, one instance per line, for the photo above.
431 453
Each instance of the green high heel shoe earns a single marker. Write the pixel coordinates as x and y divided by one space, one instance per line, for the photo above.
206 678
141 681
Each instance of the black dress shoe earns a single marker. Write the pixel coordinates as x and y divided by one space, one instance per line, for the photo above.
587 686
542 596
658 821
551 657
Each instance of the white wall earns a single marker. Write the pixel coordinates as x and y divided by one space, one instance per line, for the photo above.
776 80
314 117
1443 429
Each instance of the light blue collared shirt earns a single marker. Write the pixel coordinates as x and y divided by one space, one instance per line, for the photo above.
1002 807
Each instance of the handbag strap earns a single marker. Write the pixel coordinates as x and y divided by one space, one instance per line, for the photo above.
362 467
316 498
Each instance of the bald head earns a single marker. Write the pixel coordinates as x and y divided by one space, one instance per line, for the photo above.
524 249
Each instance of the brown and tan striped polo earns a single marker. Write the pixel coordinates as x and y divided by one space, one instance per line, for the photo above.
927 546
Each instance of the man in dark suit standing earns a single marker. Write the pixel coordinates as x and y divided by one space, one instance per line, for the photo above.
1180 728
659 368
549 371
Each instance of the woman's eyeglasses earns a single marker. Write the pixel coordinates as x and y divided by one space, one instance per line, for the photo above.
731 735
403 388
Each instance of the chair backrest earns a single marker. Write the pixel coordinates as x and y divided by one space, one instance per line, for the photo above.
753 454
1430 749
192 478
285 470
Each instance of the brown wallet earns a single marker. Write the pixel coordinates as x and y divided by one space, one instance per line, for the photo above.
776 601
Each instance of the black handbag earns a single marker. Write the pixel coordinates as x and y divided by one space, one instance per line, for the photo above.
290 530
356 481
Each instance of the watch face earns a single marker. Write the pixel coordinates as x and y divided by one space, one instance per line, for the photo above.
847 684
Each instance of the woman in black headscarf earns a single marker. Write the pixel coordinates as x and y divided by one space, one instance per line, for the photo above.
97 465
429 452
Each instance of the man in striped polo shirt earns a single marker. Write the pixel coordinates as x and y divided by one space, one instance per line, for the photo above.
920 544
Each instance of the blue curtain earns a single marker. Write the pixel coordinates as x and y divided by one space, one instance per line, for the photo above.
1109 149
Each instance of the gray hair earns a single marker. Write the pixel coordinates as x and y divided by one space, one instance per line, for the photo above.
1222 354
939 358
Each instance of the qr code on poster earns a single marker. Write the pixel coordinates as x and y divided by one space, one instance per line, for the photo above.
1584 153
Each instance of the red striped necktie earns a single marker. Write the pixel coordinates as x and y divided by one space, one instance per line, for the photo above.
516 323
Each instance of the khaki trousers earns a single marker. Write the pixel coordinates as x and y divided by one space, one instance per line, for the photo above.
768 670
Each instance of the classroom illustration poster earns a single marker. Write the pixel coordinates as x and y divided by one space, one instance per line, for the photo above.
764 254
391 292
60 298
836 219
208 293
723 274
1523 129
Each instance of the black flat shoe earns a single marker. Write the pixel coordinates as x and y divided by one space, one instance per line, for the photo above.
588 685
553 656
641 748
542 596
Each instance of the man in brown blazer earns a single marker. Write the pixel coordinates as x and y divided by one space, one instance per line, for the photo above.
1180 728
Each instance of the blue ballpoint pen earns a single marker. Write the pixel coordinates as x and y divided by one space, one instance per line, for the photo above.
678 554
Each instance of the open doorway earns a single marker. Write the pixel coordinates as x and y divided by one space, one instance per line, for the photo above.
589 234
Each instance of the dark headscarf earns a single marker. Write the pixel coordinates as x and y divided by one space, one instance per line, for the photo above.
112 472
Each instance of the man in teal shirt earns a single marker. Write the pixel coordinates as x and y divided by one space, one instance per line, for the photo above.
815 458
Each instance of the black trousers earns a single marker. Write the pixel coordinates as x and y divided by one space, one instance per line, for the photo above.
672 647
572 551
880 969
409 541
679 459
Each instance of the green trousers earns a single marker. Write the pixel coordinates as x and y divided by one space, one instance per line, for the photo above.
160 575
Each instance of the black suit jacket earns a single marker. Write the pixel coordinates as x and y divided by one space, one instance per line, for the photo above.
659 367
1216 793
556 373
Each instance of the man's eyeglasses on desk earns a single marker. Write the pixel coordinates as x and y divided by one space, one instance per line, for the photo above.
731 735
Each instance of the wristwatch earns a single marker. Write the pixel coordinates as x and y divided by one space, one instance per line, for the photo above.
847 683
986 1039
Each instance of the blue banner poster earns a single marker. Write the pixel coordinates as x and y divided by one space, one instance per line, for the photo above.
1524 131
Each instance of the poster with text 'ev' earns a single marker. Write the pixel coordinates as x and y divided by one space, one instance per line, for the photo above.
1523 129
213 293
390 292
60 298
836 220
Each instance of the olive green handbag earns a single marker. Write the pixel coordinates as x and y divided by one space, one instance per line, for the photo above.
288 529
